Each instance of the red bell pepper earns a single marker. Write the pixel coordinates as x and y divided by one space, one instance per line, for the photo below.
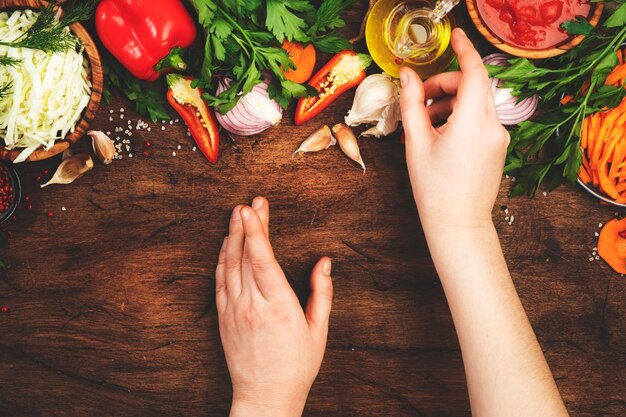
146 36
196 114
344 71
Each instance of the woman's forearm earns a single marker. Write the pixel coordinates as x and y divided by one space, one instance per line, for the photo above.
506 370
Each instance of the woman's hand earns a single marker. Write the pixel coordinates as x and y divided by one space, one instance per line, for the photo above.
274 350
455 169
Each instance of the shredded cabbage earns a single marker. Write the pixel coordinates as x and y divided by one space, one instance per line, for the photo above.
49 92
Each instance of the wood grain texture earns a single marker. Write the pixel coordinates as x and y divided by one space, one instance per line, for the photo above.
97 81
112 301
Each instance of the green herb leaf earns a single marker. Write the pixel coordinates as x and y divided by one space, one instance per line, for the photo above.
331 43
578 26
617 19
283 23
148 102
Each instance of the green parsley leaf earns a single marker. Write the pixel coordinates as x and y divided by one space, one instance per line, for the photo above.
283 23
578 26
331 43
617 19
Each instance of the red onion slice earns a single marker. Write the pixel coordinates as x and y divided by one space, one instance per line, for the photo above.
254 113
510 110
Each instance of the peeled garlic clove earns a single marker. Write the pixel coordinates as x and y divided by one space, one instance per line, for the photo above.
320 140
71 169
348 143
103 146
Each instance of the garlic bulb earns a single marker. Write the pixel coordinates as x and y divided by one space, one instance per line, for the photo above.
103 146
377 101
348 143
71 169
320 140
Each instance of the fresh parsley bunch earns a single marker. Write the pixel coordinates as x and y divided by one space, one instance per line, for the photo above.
243 40
546 150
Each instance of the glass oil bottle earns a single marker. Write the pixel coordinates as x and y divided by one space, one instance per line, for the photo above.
412 33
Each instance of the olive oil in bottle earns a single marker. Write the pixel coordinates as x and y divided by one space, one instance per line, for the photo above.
411 33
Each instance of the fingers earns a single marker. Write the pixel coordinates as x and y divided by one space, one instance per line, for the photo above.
441 85
234 253
415 120
321 298
262 208
474 90
441 109
258 252
221 297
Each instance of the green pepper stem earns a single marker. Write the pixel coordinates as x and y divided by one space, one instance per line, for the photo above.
172 60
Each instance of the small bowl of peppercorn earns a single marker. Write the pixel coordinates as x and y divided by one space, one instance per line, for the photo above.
10 191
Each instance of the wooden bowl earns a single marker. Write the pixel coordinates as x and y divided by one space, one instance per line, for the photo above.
96 90
559 49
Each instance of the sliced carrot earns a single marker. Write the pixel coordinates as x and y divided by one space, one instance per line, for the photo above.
566 99
620 56
584 175
617 75
303 58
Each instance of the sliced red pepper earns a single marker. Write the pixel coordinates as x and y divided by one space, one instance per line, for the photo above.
344 71
146 38
196 114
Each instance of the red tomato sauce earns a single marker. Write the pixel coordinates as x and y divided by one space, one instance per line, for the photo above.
531 24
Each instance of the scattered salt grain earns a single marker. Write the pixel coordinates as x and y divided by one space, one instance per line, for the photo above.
149 129
544 194
173 153
122 110
171 122
597 234
130 155
108 133
121 116
179 147
177 120
110 119
591 259
111 111
162 127
63 209
599 225
193 149
597 258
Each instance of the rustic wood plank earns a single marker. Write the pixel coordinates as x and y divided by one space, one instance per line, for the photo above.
112 300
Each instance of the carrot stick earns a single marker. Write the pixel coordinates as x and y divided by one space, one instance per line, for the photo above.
584 175
617 75
620 56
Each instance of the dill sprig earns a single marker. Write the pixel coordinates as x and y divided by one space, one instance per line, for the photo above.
50 35
7 60
5 90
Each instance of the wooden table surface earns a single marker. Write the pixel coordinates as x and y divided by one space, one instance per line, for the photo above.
112 309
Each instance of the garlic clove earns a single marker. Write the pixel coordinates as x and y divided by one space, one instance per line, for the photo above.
103 146
71 169
348 143
320 140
